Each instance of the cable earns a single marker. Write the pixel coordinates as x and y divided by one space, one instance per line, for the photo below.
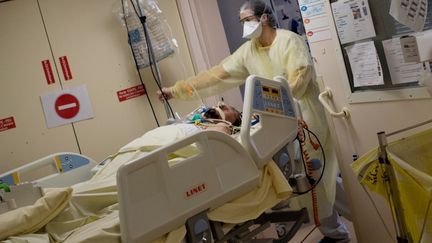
303 159
136 65
151 61
150 56
310 232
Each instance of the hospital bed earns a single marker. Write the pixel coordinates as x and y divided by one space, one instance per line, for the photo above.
156 196
184 192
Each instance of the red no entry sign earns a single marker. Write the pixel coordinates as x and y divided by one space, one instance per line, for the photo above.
67 106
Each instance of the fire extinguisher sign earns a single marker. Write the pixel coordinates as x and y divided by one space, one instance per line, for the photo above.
67 74
7 123
46 65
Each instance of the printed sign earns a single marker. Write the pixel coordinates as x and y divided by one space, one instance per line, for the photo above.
46 65
67 106
65 68
353 20
130 93
7 123
315 20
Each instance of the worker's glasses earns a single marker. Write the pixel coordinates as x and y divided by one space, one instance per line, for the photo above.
248 18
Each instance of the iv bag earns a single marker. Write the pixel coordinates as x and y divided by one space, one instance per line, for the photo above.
158 32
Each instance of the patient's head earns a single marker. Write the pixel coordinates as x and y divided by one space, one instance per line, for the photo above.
232 115
229 114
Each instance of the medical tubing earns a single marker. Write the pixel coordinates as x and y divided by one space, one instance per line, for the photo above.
136 66
151 61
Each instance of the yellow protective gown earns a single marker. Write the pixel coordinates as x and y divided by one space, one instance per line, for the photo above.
288 56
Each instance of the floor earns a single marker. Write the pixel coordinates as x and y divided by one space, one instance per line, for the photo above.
310 234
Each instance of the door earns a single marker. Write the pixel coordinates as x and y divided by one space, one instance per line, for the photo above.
89 34
91 37
24 53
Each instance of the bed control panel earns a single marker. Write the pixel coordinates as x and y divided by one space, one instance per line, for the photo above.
68 162
272 99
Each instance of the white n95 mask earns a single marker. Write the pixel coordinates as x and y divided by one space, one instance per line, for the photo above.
252 29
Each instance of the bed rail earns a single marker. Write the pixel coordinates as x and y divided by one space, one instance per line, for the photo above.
156 197
67 168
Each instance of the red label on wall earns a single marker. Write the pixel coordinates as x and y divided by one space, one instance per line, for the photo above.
7 123
65 68
130 93
46 65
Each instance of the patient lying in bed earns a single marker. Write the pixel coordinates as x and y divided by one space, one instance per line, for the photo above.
222 118
89 212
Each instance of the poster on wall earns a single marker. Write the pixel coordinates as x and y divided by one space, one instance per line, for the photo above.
66 106
353 20
401 71
411 13
316 23
365 64
288 15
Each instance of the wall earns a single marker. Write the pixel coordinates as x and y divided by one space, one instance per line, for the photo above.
97 48
207 41
358 135
229 12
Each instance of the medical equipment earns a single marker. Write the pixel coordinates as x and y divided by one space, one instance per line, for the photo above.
156 198
157 32
67 169
144 27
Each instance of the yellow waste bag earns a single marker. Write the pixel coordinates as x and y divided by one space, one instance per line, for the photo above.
411 161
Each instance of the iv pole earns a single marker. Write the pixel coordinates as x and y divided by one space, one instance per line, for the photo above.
152 59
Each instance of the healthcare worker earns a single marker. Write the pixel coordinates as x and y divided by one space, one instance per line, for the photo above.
274 52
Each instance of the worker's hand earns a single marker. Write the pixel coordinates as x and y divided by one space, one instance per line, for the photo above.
167 92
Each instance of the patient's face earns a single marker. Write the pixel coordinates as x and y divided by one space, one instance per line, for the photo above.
231 114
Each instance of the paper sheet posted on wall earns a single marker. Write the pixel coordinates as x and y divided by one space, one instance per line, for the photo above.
353 20
315 20
365 64
401 71
411 13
